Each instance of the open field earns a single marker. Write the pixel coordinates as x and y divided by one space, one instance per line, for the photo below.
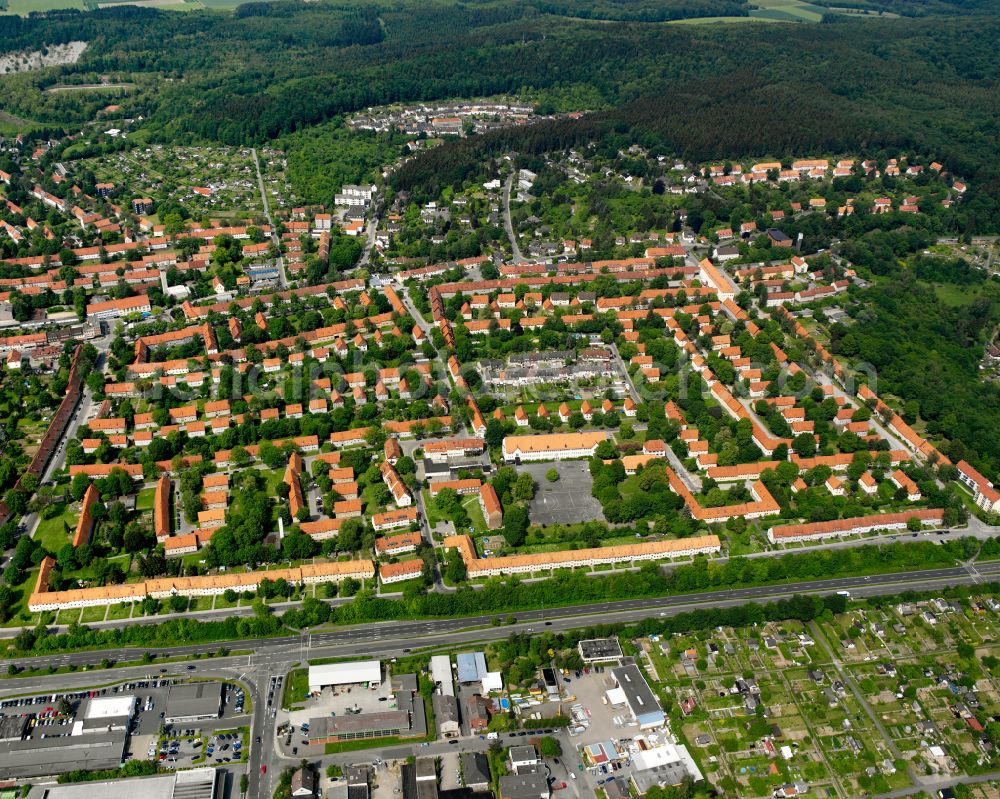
91 87
25 7
787 11
766 11
163 5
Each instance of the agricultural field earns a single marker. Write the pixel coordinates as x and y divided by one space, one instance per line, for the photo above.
786 11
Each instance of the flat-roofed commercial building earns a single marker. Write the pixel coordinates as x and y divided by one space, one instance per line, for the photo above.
33 757
662 765
356 672
199 783
193 702
105 714
639 697
594 650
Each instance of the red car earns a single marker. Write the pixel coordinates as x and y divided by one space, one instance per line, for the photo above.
263 769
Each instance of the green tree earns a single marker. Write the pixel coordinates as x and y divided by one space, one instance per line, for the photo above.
549 746
515 525
804 445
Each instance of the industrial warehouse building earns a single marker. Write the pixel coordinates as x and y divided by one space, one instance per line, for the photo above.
194 702
356 672
596 650
199 783
471 667
668 764
634 692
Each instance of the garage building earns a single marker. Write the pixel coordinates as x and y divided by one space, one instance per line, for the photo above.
356 672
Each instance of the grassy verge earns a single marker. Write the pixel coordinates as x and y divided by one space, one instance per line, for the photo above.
296 689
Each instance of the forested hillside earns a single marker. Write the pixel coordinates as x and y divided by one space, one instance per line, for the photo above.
278 67
859 86
928 353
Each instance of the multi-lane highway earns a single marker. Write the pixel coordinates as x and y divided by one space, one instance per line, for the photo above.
389 636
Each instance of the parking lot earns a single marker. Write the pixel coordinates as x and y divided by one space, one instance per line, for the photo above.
567 500
191 747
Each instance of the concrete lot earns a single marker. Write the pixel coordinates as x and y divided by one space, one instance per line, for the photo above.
606 723
388 782
450 771
294 743
340 700
565 501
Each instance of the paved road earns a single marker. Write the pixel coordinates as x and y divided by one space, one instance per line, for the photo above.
515 248
418 317
369 242
282 278
976 576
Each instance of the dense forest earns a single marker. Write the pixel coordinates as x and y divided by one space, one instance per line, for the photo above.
928 353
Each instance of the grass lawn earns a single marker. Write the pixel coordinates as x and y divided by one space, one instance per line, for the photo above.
956 296
19 611
51 533
25 7
192 558
787 11
369 743
629 486
119 611
402 585
433 517
472 507
296 688
271 479
144 499
92 614
966 495
716 20
68 616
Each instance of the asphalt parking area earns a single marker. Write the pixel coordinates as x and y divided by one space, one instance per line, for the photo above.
565 501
